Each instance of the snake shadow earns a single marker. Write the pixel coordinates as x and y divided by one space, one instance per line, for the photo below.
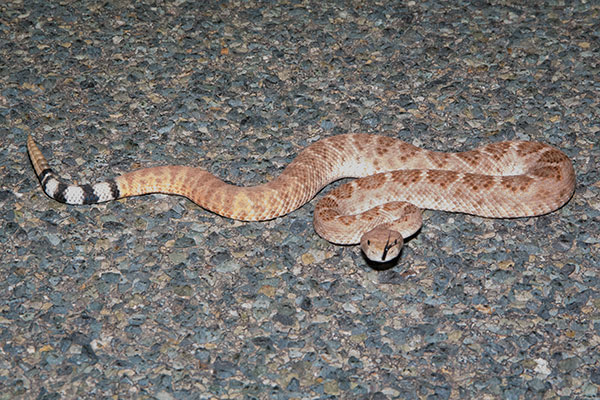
381 266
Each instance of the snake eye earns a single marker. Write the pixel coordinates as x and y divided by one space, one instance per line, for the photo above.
368 242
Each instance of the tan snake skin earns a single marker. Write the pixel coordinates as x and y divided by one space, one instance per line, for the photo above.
499 180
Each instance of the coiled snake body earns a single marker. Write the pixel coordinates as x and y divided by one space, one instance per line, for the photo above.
397 180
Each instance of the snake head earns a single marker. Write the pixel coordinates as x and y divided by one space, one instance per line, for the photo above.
381 244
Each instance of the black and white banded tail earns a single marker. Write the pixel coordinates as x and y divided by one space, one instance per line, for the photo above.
69 194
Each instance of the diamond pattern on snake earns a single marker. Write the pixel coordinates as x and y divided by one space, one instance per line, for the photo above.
380 209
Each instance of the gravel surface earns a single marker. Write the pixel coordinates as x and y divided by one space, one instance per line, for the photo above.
156 298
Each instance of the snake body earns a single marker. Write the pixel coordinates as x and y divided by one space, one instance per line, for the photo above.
499 180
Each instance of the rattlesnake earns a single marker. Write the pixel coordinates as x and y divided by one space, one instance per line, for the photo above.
499 180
